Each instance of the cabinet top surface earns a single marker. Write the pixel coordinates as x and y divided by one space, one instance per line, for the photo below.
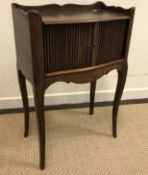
84 16
74 13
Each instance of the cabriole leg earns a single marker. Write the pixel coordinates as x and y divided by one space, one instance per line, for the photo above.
122 74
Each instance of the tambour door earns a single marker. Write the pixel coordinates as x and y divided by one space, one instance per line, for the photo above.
66 46
73 46
110 39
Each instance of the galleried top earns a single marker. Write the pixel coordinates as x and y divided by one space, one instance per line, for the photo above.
74 13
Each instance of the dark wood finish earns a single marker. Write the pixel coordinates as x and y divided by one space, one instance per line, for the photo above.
70 43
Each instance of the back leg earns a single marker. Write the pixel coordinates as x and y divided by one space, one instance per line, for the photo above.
92 96
23 89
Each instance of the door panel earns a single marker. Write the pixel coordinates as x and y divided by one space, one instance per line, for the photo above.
73 46
66 46
110 40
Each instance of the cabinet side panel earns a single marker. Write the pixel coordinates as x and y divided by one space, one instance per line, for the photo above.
23 43
66 46
111 37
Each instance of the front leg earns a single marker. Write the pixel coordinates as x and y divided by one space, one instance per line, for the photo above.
122 74
39 104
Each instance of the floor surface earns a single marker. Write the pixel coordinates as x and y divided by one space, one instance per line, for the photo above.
77 143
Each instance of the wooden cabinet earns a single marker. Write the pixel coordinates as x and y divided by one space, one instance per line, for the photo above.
70 43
